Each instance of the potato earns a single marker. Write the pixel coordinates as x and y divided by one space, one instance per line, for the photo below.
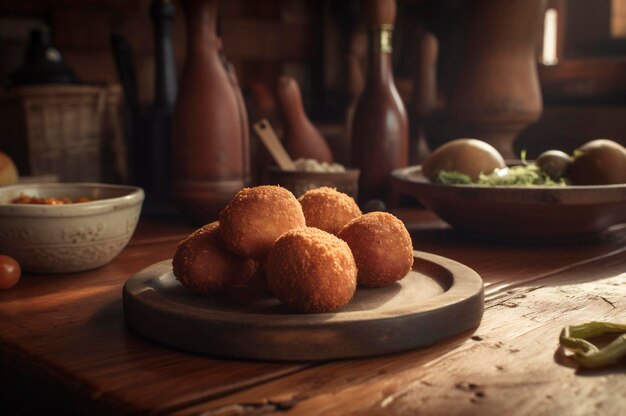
598 162
468 156
554 163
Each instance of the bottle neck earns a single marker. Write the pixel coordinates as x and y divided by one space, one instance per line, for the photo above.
380 70
162 13
201 19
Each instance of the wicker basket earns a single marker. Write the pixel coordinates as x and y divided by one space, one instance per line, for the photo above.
54 129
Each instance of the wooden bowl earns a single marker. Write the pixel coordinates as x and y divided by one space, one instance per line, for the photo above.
526 214
298 182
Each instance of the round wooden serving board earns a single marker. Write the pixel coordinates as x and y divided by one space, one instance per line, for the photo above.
439 298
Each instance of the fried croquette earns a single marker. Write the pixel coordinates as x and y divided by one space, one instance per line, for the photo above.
310 270
203 264
256 217
381 246
328 209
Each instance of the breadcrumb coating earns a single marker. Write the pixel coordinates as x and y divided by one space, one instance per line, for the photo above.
328 209
312 271
203 264
256 217
381 246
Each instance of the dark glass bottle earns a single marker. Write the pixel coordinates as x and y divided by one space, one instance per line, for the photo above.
156 171
43 63
380 126
166 87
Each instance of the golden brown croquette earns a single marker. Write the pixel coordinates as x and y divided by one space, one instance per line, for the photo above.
328 209
203 264
256 217
310 270
381 246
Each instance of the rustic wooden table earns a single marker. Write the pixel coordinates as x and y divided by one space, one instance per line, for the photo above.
64 347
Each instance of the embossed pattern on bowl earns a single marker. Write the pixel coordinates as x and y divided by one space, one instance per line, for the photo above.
68 238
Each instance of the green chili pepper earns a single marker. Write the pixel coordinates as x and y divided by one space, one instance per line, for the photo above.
587 354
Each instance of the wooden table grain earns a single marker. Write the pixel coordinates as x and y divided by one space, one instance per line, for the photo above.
64 347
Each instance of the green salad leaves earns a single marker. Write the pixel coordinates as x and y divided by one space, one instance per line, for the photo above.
521 175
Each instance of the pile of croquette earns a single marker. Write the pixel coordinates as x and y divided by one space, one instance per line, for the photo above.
313 251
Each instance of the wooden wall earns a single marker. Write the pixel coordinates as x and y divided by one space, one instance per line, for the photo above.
262 38
307 39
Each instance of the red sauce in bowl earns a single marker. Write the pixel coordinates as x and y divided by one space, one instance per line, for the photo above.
26 199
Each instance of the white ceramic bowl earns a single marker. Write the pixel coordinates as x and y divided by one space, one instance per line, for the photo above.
72 237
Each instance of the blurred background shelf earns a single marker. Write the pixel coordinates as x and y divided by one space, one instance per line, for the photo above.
322 44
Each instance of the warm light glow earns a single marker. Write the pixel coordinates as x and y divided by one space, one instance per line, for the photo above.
549 38
618 18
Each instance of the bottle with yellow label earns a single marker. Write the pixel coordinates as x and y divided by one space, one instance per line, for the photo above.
380 126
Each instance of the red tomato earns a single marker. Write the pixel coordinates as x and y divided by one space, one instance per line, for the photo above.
10 272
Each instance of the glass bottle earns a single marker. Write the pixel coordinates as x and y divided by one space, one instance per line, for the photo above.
155 174
380 126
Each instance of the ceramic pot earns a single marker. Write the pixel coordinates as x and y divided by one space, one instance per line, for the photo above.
496 93
210 160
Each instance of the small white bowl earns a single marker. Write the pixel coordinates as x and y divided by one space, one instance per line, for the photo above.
72 237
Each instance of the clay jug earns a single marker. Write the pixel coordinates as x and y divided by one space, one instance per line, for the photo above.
380 127
302 139
209 161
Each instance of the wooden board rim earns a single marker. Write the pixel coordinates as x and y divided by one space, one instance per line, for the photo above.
272 336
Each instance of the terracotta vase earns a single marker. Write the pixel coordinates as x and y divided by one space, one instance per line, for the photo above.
380 126
497 92
210 160
302 139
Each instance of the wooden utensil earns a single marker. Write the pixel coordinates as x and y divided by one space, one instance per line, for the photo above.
273 144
